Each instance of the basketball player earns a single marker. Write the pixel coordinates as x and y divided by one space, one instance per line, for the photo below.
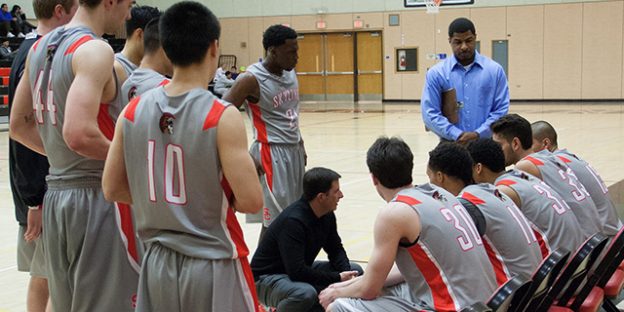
429 234
510 252
545 137
553 223
198 173
154 65
28 169
272 94
69 73
513 133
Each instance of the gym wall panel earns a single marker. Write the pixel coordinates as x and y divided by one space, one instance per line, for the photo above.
274 7
254 42
602 50
391 39
234 34
304 23
442 21
563 39
525 26
339 21
371 20
490 24
417 30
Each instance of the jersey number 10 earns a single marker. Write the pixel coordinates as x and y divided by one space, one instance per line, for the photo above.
175 193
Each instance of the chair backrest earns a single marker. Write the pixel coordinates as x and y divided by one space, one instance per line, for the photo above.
477 307
503 298
543 278
574 272
605 268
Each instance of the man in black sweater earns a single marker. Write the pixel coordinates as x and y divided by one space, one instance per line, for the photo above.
286 275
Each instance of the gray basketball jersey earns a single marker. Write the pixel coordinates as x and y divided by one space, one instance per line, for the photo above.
555 225
276 116
126 64
509 240
140 81
180 196
51 76
556 174
447 268
597 189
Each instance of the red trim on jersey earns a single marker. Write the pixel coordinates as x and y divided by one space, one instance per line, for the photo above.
265 148
473 199
36 44
534 160
505 182
258 123
125 215
164 82
542 243
250 283
212 119
72 48
497 264
407 200
105 122
132 108
565 160
442 300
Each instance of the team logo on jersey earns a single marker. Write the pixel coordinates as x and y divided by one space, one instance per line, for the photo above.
166 123
50 51
132 93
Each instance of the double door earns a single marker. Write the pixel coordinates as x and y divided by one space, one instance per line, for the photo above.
344 66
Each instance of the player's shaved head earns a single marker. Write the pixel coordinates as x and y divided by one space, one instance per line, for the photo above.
543 130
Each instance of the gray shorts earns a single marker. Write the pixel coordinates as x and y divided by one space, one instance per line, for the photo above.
30 255
282 183
89 267
171 281
394 298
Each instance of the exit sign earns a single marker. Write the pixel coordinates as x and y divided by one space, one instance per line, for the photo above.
358 24
321 24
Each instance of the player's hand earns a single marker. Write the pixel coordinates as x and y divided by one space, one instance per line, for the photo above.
466 137
327 296
347 275
33 226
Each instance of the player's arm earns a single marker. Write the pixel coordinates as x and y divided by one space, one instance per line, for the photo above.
22 127
236 162
529 168
245 86
115 178
393 222
511 193
92 65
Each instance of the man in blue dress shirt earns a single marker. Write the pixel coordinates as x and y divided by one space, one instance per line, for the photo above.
480 85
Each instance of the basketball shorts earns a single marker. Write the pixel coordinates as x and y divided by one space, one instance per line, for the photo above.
173 282
89 267
30 255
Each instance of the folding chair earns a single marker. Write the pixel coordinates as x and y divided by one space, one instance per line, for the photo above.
610 278
477 307
509 295
543 278
574 273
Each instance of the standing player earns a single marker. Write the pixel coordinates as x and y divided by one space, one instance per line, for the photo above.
513 133
154 65
69 73
198 173
28 169
545 137
554 225
432 239
511 253
272 94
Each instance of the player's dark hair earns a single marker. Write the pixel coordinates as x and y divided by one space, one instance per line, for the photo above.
44 9
90 3
187 29
391 161
277 35
461 25
453 160
140 16
151 36
514 126
318 180
487 153
542 130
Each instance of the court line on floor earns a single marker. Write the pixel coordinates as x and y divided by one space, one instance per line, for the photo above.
8 268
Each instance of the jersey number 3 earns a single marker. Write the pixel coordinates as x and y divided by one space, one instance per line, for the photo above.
175 185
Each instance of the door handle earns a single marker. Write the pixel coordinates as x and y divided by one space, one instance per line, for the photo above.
361 72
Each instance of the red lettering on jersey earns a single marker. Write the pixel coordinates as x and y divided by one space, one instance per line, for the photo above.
72 48
505 182
132 108
565 160
534 160
212 119
407 200
473 199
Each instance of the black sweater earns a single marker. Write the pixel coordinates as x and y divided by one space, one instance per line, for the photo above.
292 242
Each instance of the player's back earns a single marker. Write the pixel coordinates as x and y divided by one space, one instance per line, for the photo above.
509 239
555 173
140 81
276 116
51 75
447 266
178 189
125 63
597 189
555 225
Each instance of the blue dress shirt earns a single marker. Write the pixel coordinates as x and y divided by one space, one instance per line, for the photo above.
482 91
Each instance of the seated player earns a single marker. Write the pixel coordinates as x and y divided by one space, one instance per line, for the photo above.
287 277
511 253
545 137
553 223
438 252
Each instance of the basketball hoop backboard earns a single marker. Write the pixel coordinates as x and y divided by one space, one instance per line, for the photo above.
422 3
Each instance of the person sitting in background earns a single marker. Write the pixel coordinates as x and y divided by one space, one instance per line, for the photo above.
5 21
223 84
5 51
19 24
234 72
